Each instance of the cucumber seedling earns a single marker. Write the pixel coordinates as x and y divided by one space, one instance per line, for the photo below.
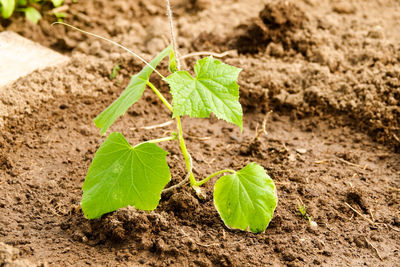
122 175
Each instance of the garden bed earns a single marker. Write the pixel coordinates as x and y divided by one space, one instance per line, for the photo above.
323 76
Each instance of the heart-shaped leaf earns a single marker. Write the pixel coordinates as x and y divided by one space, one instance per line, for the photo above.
214 89
122 175
247 199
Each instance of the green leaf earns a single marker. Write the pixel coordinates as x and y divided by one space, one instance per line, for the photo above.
32 14
57 3
121 175
129 96
247 199
214 89
7 8
60 16
172 62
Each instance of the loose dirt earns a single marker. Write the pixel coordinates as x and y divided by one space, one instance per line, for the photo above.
324 75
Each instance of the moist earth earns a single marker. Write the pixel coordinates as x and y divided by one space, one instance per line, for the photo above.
320 91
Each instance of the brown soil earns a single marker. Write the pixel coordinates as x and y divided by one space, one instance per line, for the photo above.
328 70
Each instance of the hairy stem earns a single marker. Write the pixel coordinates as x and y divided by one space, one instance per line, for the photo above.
212 176
159 94
186 155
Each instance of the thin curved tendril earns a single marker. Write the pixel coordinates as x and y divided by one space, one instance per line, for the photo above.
114 43
172 29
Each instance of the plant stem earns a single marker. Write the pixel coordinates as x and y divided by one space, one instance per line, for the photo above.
182 144
164 139
159 94
213 175
185 153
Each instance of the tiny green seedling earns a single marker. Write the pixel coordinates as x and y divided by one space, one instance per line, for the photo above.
114 72
303 212
123 175
60 16
8 7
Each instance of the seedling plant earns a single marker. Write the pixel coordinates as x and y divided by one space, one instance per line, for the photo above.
303 212
122 175
8 7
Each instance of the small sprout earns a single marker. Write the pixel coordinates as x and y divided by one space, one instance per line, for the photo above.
60 16
122 175
303 212
114 71
8 7
302 209
245 199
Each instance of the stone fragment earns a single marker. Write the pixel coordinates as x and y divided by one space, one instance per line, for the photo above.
301 150
20 56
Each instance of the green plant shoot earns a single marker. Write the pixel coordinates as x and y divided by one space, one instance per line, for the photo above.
8 7
303 212
114 71
214 89
122 175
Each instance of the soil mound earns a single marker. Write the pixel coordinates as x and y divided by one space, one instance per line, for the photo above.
278 22
311 64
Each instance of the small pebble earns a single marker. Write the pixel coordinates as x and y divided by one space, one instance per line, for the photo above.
313 224
301 150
